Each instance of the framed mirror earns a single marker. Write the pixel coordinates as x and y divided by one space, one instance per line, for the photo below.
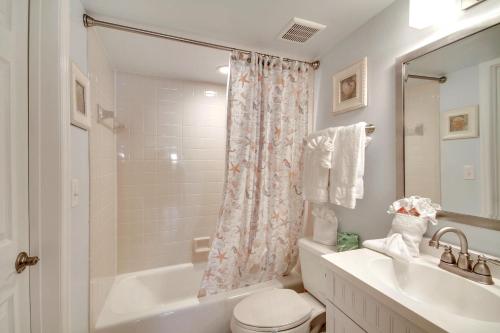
448 125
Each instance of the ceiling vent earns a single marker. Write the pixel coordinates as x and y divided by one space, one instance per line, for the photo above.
300 31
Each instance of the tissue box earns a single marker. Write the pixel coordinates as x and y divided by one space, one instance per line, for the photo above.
347 241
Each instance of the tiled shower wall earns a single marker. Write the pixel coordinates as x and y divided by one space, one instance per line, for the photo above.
103 178
171 157
422 149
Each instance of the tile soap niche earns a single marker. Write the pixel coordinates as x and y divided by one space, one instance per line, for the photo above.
201 247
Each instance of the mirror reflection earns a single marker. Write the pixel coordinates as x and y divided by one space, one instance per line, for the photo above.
452 100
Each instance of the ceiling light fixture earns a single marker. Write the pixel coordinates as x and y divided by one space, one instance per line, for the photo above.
426 13
223 69
210 93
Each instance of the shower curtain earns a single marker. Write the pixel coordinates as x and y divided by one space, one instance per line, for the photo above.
262 211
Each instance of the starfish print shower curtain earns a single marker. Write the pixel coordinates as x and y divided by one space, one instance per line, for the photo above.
262 212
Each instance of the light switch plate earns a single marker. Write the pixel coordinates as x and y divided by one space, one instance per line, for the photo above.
469 173
75 192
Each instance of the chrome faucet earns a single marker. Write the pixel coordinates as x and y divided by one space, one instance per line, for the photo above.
479 272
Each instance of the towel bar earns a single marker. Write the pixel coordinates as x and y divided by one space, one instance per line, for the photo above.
370 128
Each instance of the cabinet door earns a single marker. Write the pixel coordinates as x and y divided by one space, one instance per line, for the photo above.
338 322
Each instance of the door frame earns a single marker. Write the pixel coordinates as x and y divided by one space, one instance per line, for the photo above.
49 164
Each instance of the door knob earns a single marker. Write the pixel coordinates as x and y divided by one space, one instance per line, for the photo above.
23 260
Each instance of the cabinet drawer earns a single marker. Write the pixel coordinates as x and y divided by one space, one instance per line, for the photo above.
338 322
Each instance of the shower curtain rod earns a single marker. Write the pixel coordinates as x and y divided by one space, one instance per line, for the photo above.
89 21
441 79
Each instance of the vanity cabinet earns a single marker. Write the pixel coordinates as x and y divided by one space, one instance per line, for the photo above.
352 310
338 322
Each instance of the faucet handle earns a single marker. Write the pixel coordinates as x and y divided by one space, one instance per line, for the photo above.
448 256
481 267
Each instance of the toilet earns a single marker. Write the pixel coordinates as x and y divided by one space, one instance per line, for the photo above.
284 310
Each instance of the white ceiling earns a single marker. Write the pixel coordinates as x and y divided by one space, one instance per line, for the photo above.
133 53
251 24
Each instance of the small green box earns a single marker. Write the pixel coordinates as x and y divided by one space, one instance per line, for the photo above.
347 241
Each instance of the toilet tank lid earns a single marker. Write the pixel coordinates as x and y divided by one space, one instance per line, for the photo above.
278 309
320 249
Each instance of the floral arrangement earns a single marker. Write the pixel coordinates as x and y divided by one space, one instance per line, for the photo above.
416 206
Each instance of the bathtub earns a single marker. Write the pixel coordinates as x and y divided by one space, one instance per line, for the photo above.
164 300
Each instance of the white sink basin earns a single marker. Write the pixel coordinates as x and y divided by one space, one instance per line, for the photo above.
429 284
438 297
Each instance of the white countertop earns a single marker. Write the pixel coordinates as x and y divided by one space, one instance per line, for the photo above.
421 291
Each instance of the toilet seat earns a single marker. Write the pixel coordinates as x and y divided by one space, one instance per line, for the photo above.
272 311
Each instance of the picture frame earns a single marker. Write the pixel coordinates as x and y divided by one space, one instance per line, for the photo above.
80 98
350 88
462 123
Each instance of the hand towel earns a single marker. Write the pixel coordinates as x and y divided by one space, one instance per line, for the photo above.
325 224
348 165
393 246
317 163
404 238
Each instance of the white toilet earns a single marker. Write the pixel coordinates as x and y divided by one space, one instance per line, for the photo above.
284 310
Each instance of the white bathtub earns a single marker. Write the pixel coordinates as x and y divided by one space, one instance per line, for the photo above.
164 300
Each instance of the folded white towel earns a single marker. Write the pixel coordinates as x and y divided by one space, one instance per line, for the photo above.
393 246
317 163
348 164
404 238
325 224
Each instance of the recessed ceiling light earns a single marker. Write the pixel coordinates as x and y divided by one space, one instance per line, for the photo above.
224 69
210 93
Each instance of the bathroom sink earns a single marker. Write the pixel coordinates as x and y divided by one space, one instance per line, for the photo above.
421 290
424 282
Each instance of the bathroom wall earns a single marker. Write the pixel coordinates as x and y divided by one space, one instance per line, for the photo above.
461 90
103 178
80 173
422 150
170 168
79 244
78 36
384 38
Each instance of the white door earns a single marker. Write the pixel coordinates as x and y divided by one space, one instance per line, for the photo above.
14 237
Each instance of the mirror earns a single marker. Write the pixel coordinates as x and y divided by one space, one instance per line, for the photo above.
451 125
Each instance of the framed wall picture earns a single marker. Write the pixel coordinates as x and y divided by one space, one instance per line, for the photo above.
350 88
80 98
460 123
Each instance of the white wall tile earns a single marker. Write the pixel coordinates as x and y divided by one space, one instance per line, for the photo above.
171 171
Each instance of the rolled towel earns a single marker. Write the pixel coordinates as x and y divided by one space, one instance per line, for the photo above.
394 246
411 229
403 240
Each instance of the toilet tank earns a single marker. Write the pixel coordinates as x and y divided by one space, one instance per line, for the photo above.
314 272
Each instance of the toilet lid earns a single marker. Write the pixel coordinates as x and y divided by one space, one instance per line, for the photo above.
277 309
